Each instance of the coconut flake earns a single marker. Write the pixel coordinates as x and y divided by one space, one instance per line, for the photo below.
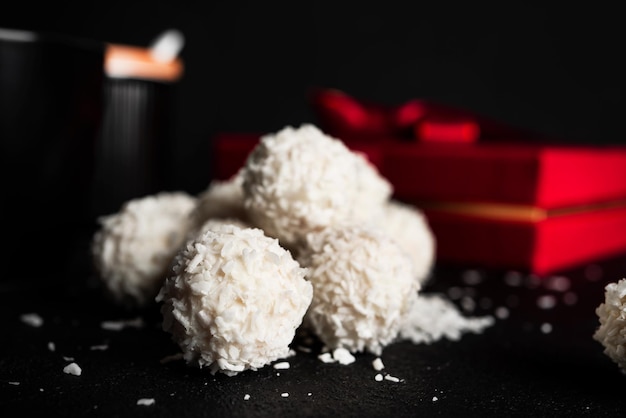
283 365
145 401
378 364
73 369
32 319
120 325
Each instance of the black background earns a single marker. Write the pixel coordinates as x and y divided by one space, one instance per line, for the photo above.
248 65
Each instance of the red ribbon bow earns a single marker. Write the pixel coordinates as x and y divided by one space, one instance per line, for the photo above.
342 116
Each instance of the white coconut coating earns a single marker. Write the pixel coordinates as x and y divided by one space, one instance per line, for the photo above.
409 227
299 180
221 199
235 300
612 316
363 288
132 250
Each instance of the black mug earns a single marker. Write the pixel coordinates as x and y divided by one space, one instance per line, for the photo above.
51 105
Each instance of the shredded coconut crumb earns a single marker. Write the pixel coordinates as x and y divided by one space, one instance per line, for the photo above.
339 355
326 358
284 394
32 319
501 312
378 364
14 383
283 365
391 378
246 397
378 377
101 347
172 357
546 328
435 399
51 346
66 358
73 369
546 302
145 401
120 325
343 356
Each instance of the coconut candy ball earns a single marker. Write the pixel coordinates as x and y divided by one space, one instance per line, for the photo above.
299 180
363 288
612 316
235 300
221 199
132 250
409 227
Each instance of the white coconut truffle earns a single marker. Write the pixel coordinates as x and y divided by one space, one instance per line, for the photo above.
221 199
410 228
363 288
612 316
300 180
235 300
132 250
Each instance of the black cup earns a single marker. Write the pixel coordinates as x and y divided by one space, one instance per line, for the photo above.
51 102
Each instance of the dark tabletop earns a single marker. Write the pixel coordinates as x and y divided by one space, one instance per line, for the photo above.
540 360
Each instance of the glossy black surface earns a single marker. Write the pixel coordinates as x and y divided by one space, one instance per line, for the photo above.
517 367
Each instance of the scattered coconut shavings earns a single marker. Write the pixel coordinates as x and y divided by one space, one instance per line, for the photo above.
284 394
392 378
283 365
432 317
145 401
305 349
170 358
32 319
546 328
73 369
101 347
546 302
326 358
51 346
435 399
339 355
246 397
378 364
378 377
14 383
343 356
501 312
66 358
120 325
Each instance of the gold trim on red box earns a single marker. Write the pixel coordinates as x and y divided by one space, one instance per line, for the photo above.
512 212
